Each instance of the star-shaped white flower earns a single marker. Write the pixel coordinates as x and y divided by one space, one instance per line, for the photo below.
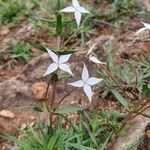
59 62
76 9
95 60
86 83
146 27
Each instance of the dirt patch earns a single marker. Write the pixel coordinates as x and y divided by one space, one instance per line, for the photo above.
134 132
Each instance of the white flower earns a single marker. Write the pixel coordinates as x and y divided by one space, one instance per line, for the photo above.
76 9
146 27
86 83
95 60
59 62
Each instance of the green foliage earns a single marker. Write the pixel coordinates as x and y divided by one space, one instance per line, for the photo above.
126 6
124 11
92 132
121 12
50 19
120 98
12 11
68 109
132 76
20 51
86 29
36 2
59 24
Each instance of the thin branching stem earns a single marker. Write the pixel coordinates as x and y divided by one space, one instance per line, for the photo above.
136 114
46 93
52 101
112 77
70 38
67 94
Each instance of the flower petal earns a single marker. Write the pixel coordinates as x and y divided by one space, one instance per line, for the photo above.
88 91
140 30
68 9
65 68
75 3
64 58
147 25
83 10
78 17
51 69
95 60
77 83
92 81
52 55
85 73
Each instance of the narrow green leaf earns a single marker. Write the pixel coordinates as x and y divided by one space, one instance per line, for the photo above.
59 26
65 52
38 109
38 46
68 109
22 144
53 140
105 143
120 98
93 138
79 147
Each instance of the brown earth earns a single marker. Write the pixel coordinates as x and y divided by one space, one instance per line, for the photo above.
22 85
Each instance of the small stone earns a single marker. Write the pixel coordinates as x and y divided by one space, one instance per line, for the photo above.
32 124
23 126
3 148
4 30
7 114
39 90
32 117
148 133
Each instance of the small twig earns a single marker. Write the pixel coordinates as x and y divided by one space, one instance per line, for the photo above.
47 89
104 22
43 19
136 75
66 96
139 113
116 82
132 112
66 32
70 38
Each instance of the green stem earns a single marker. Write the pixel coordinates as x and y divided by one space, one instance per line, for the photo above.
52 102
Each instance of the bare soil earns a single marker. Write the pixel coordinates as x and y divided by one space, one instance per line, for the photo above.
22 84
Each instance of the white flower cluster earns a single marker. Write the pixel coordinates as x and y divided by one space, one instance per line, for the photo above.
61 63
86 82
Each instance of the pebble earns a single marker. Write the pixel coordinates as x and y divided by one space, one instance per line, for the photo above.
39 89
7 114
